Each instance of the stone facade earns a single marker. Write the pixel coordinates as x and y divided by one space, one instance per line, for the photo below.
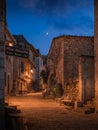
24 68
86 78
63 59
10 41
2 55
96 51
39 67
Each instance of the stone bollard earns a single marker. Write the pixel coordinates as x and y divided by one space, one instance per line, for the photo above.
75 105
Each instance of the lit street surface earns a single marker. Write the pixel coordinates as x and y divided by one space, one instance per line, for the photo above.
47 114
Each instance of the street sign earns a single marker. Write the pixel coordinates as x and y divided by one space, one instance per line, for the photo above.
16 51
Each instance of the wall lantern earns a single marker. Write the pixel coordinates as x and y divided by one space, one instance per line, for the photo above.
10 44
32 71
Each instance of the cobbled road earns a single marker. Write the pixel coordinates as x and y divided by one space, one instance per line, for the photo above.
47 114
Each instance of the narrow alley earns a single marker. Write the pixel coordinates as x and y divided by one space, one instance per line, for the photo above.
47 114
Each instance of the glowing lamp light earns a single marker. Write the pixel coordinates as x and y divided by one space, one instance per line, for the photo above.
10 44
31 71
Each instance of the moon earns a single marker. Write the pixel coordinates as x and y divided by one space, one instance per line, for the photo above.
47 33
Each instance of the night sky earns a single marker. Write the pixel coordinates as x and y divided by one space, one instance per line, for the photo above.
42 20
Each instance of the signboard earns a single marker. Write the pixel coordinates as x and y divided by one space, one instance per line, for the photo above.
16 51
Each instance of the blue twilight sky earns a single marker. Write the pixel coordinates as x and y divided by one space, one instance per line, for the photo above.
42 20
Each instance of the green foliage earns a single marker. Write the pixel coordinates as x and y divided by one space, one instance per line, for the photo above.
44 74
57 90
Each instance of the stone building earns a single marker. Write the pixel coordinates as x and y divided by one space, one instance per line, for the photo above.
64 63
8 73
24 68
20 70
96 51
39 67
2 55
86 78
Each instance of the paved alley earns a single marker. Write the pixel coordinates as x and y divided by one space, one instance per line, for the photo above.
47 114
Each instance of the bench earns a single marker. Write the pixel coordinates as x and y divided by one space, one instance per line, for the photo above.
67 102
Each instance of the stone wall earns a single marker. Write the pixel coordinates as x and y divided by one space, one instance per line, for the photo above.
2 42
8 74
75 47
86 78
16 72
63 59
96 51
55 62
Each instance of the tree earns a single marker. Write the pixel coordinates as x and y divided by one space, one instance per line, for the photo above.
44 74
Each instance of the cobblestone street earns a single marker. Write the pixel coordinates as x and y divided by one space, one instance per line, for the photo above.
47 114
